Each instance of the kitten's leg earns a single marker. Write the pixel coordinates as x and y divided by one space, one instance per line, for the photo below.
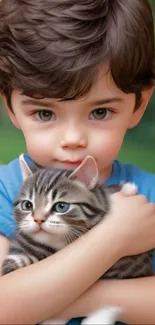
13 262
103 316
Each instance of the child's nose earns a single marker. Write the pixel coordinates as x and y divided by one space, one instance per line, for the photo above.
74 138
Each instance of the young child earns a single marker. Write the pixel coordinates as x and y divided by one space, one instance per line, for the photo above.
75 75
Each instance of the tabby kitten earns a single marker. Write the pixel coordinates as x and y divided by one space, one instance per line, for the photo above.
55 207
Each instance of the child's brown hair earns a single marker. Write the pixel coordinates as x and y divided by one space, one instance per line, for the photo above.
54 48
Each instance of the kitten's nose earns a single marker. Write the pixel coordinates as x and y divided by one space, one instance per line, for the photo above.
39 222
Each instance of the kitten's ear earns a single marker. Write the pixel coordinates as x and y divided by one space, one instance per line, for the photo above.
87 172
26 169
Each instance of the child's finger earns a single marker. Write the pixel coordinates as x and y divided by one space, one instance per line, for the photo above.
129 189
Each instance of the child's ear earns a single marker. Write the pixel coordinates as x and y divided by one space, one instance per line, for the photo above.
10 112
87 172
26 169
138 114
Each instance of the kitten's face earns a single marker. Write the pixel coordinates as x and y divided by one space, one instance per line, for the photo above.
51 206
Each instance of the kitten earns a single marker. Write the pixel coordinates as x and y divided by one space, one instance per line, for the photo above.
55 207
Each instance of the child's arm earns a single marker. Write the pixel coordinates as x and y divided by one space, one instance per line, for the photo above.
42 290
135 296
32 294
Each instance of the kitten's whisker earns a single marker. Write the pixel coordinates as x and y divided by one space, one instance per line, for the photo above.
70 237
74 233
80 230
76 230
81 227
67 238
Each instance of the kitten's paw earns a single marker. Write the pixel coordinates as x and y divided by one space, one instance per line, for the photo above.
104 316
9 265
129 189
13 262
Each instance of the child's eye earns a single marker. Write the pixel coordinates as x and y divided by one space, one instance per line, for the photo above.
99 114
45 116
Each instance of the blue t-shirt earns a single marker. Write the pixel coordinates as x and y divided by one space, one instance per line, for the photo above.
11 181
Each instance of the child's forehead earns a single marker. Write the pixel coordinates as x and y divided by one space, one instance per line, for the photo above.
102 89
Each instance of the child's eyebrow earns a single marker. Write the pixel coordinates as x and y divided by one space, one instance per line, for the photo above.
48 104
35 102
105 101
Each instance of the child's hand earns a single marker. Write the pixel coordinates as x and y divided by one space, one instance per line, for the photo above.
134 222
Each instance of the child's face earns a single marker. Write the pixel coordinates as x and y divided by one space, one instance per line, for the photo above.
62 134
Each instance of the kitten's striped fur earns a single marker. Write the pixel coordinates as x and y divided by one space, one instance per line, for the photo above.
89 203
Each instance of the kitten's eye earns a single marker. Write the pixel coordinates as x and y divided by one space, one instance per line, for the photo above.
61 207
26 205
99 114
45 116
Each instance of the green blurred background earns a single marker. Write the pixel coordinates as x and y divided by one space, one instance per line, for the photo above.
138 147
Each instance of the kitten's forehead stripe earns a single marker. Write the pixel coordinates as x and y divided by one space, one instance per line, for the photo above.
31 193
47 179
57 175
63 194
54 193
53 181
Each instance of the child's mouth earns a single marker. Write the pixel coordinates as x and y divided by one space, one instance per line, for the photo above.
77 162
68 163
